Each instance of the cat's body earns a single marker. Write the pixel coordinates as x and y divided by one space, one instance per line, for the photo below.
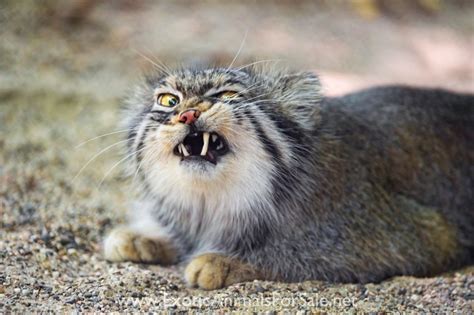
357 188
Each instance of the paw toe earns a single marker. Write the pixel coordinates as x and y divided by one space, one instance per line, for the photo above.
207 272
125 245
118 246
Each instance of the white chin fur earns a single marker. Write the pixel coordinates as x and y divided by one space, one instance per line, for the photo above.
216 196
239 180
204 171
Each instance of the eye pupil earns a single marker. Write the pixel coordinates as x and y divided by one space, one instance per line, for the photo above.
168 100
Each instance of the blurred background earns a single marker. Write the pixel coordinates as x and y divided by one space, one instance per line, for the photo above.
64 65
97 46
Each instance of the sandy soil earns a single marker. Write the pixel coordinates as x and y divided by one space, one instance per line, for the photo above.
60 85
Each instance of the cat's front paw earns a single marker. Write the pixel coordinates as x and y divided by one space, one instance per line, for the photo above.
123 244
215 271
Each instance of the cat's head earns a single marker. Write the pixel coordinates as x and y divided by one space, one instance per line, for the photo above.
209 131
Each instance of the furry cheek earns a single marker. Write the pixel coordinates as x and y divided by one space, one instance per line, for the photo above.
167 137
246 171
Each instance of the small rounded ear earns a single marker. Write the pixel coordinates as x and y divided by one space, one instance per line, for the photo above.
299 95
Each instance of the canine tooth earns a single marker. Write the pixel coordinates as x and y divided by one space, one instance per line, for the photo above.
179 149
214 138
205 146
220 146
185 152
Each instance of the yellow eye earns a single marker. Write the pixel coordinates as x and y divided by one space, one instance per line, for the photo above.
168 100
228 95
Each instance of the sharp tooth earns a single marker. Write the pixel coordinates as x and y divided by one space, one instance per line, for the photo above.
214 138
205 146
185 152
179 149
220 146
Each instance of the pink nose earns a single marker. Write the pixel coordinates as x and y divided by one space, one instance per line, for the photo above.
189 116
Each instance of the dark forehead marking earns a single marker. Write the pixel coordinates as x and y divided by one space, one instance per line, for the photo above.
198 82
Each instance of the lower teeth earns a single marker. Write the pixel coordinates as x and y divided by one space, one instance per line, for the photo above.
183 148
205 152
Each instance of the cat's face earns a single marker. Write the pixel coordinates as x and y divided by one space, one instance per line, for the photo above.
204 132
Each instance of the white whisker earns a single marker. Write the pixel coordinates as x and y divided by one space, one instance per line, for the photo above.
257 62
156 59
96 155
101 136
159 67
240 49
116 164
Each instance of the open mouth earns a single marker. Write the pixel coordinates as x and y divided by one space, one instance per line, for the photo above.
208 146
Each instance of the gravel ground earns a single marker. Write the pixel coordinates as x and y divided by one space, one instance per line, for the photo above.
60 86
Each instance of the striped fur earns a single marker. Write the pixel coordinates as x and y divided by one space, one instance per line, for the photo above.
305 191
